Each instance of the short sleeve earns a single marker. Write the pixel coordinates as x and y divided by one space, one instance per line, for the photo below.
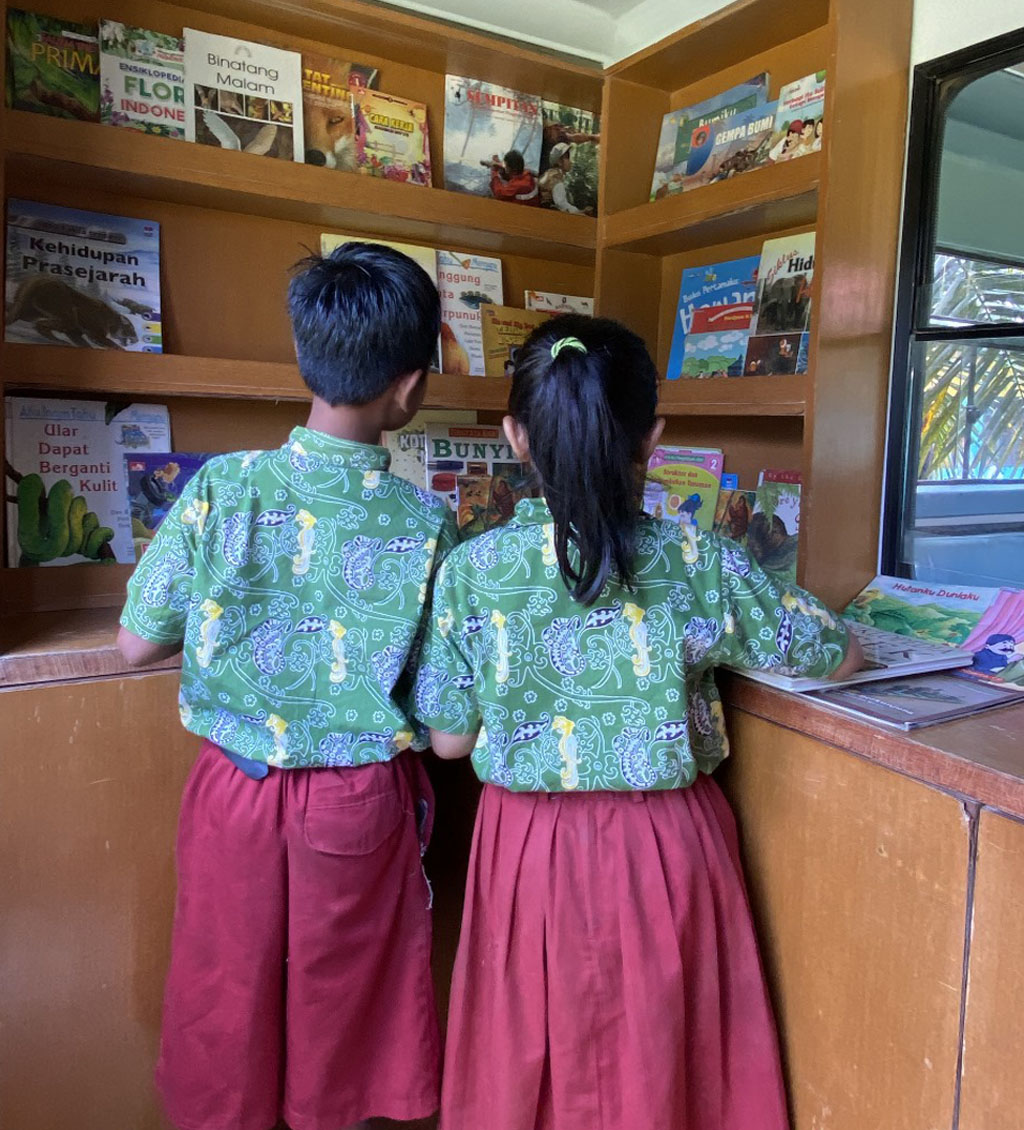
770 624
160 589
445 692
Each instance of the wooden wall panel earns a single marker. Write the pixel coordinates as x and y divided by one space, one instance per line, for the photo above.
992 1086
858 878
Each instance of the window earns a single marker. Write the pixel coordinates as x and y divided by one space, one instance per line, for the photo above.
955 484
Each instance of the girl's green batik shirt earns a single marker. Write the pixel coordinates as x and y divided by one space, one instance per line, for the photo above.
619 695
297 579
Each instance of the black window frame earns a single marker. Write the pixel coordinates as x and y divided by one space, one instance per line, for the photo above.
935 84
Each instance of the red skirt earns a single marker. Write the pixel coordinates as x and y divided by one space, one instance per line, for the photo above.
608 976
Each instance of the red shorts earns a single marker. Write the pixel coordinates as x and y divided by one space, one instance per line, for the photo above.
299 985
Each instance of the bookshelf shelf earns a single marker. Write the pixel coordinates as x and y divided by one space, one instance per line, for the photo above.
52 151
755 204
740 396
67 370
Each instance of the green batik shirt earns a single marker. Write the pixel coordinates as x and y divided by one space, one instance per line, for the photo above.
297 579
619 695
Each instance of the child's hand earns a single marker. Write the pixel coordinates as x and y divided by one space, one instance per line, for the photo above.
852 663
450 747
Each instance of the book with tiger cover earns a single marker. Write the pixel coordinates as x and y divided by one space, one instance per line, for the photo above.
392 137
505 328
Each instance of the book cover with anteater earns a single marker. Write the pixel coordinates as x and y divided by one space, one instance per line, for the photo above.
82 278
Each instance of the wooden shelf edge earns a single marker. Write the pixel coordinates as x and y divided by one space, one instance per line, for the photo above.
735 396
130 163
47 647
764 200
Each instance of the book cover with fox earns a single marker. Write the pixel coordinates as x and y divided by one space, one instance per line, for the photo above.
328 113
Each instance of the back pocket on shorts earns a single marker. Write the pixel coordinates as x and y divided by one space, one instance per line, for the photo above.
354 827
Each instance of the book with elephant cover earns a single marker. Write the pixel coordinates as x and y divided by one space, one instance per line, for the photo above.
82 278
155 481
64 477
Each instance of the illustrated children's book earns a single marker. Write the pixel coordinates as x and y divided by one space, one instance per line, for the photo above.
505 328
774 529
466 283
155 482
569 159
392 139
717 341
328 115
65 480
799 118
782 307
490 500
53 66
407 446
731 283
553 303
458 450
682 484
677 130
491 135
723 148
82 278
243 96
733 512
142 80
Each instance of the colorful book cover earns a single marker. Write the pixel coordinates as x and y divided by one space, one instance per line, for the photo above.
66 488
425 256
775 354
677 130
717 341
554 303
733 512
987 621
466 283
492 140
53 66
505 328
782 307
730 283
724 148
82 278
490 500
243 96
569 159
142 80
155 482
800 118
392 138
779 475
407 446
682 484
454 450
773 532
328 115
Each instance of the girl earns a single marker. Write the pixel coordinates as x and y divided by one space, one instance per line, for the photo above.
607 976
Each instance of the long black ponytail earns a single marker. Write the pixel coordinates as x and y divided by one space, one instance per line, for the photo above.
586 391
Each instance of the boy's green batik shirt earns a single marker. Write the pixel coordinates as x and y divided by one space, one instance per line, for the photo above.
297 579
619 695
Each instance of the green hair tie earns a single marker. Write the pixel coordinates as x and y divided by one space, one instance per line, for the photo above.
567 343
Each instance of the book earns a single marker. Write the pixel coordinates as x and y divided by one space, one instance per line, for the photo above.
392 138
155 481
988 622
779 475
82 278
782 307
918 700
682 484
459 450
65 470
723 148
505 328
717 342
243 96
407 446
328 115
490 500
678 125
799 118
774 529
733 512
425 256
484 125
569 158
729 283
558 303
53 66
466 283
730 481
142 80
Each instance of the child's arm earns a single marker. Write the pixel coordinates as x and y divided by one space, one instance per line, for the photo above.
853 662
450 747
138 652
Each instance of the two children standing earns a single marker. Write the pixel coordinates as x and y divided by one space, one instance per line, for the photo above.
607 975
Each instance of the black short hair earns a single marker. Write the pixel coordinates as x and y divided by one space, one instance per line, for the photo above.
361 316
514 162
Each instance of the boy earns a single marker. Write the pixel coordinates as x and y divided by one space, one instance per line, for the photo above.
295 580
512 180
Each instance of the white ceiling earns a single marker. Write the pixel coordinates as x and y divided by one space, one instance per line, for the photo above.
602 30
